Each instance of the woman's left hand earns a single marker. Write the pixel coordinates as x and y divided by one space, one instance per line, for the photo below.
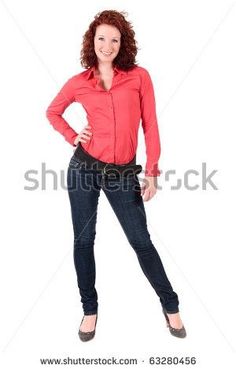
149 188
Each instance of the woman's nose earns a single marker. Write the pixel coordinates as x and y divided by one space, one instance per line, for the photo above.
108 47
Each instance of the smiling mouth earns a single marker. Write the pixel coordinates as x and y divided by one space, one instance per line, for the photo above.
107 54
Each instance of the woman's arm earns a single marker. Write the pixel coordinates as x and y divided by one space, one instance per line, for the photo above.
54 112
150 125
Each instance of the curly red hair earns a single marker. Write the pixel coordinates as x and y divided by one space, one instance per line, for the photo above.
128 49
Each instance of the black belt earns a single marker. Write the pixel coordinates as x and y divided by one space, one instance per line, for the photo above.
107 168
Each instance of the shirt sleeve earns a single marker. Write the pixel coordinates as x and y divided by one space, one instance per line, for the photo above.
54 112
150 125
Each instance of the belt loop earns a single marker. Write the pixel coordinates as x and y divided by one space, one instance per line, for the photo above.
104 168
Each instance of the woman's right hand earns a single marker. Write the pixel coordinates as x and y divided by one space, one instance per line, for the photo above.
84 135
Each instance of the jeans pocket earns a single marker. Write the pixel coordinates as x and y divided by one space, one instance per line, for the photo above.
74 163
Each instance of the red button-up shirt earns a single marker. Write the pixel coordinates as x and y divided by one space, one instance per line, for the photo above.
114 115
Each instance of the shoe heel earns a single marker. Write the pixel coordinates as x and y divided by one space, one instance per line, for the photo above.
166 317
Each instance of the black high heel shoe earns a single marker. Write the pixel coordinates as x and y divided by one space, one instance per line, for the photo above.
87 336
177 332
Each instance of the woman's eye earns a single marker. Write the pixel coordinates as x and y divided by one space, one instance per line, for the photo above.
101 38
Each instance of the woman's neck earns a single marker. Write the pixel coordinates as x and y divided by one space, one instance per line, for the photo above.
105 68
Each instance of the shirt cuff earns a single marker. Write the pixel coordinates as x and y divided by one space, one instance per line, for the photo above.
152 171
72 139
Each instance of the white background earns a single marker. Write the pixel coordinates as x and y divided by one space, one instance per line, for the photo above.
189 49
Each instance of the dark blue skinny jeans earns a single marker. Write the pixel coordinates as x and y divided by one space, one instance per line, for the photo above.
124 195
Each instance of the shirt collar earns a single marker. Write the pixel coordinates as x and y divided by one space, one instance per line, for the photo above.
91 71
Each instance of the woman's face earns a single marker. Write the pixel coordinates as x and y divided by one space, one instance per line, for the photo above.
106 43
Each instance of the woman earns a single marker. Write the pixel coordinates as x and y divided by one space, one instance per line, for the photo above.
116 93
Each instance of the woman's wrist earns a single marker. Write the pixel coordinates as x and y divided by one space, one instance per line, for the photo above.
75 141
